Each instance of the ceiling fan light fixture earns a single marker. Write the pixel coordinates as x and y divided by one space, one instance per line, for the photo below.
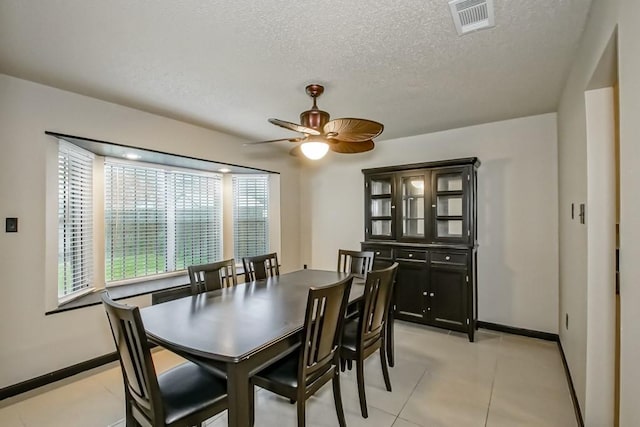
314 150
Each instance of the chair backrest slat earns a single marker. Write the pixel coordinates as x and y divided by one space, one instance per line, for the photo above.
378 290
358 263
141 383
260 267
324 321
209 277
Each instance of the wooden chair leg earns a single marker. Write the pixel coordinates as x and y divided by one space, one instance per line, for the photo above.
301 413
385 370
361 393
389 339
337 398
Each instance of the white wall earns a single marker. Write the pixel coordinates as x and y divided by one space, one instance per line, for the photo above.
604 17
32 343
601 264
629 68
517 211
572 166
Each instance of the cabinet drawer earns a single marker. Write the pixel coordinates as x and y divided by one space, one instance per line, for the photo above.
409 254
383 253
448 258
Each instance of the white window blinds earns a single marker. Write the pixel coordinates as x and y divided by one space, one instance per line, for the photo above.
198 219
135 221
250 215
75 219
159 220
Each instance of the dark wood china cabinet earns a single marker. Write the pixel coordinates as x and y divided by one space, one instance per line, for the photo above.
423 216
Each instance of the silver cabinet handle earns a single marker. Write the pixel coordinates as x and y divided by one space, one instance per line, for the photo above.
447 257
424 293
377 253
410 255
432 294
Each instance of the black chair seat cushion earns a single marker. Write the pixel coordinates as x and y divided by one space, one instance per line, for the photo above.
350 335
284 371
187 389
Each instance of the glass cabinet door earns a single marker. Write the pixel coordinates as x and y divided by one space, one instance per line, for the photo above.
412 216
413 206
449 193
380 209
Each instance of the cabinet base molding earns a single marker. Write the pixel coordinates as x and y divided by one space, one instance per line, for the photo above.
518 331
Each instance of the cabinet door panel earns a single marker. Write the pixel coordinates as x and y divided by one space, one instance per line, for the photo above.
380 208
450 204
411 281
413 214
448 296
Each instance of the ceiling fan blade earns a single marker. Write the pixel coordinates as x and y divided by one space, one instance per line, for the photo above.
350 147
274 140
353 130
294 127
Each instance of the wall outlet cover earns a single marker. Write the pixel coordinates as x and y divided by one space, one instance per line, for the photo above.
11 225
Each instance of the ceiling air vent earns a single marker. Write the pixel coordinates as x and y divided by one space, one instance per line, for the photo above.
472 15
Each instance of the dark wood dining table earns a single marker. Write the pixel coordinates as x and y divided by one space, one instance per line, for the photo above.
241 329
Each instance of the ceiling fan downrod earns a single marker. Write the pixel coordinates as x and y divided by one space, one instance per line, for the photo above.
314 118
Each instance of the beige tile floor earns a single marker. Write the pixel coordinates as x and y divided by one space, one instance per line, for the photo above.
440 379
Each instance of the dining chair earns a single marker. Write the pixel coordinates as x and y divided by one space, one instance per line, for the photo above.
209 277
260 267
185 395
300 374
358 263
368 333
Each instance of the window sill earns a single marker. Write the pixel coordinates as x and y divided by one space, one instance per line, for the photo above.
124 291
131 290
75 295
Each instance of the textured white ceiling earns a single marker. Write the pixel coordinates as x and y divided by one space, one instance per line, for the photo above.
229 65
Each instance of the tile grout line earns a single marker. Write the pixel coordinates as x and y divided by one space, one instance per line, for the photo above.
493 381
410 394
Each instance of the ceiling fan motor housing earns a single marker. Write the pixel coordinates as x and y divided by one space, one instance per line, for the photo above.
314 119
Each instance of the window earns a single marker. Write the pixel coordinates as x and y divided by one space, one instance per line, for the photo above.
75 219
198 219
159 220
124 221
135 221
250 215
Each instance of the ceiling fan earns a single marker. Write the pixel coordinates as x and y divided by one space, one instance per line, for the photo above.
346 135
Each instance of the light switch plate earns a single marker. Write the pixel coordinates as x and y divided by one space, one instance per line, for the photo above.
11 225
